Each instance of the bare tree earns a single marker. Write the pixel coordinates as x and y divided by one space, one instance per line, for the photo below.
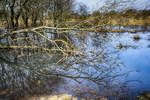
14 10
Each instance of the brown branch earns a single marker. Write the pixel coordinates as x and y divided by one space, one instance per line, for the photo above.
35 47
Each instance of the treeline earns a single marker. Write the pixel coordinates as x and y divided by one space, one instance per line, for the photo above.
127 17
14 13
29 13
123 18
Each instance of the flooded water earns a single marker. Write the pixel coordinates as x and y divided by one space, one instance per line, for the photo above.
135 56
138 58
133 59
111 65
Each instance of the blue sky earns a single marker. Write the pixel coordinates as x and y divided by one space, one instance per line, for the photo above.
136 4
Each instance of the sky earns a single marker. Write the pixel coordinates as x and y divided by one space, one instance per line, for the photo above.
91 4
136 4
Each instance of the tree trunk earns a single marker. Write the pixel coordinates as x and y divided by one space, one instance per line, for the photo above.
17 20
12 14
26 21
12 18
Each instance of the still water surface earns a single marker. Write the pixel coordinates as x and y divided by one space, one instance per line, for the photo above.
108 60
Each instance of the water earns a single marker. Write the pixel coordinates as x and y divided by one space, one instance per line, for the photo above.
128 28
135 55
138 60
104 69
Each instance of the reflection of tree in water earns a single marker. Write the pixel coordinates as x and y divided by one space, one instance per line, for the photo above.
98 65
39 64
24 78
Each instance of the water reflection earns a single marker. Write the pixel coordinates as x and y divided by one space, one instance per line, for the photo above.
23 78
97 67
136 57
138 60
129 28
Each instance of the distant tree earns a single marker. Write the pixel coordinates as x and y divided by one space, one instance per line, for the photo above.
144 14
129 13
35 10
14 9
82 10
59 9
96 13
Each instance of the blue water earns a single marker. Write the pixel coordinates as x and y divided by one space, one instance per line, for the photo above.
133 57
136 57
138 60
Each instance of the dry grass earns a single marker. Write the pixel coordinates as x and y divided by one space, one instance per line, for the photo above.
91 20
61 97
